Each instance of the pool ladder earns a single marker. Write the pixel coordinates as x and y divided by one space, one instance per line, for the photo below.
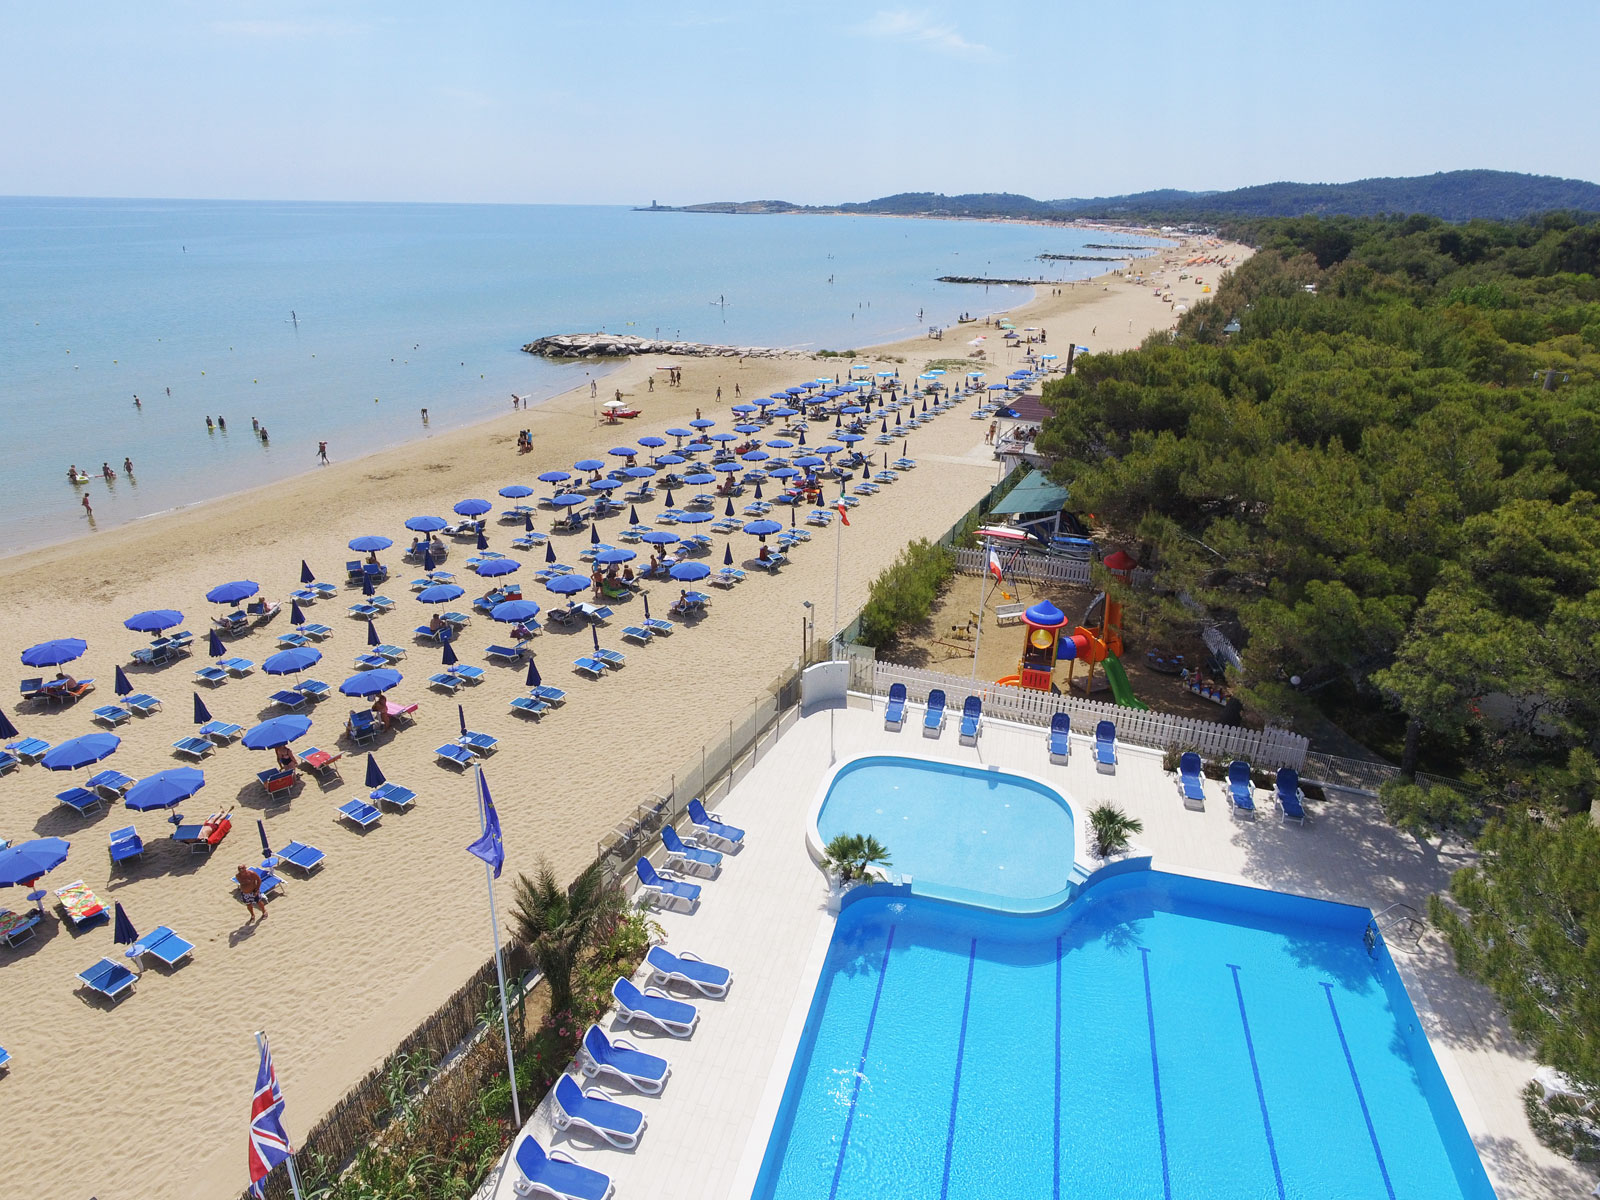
1406 925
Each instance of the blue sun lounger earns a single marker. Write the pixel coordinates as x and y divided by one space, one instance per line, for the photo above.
112 714
237 667
637 633
370 662
662 889
166 947
680 851
1189 778
301 857
594 1111
5 1056
292 640
590 666
708 824
362 726
447 681
18 927
359 813
1105 744
29 749
221 732
933 721
550 695
110 784
394 795
508 653
1241 791
1060 739
971 720
312 689
215 676
109 979
654 1007
467 674
612 658
1286 787
8 761
529 706
894 713
460 755
289 699
480 744
613 1056
142 703
126 845
549 1175
657 626
689 970
80 800
316 632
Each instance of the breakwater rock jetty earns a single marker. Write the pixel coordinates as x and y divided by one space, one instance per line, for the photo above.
623 345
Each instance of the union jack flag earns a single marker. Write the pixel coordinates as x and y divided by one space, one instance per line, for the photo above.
269 1144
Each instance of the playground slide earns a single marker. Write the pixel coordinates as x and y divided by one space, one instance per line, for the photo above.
1121 690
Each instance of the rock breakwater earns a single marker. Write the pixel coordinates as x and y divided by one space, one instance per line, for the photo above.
623 345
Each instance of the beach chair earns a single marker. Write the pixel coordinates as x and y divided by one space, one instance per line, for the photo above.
207 835
971 720
220 732
1286 787
237 667
289 698
658 627
481 744
142 703
652 1006
553 696
126 845
894 713
359 813
362 726
508 653
110 784
933 719
1190 781
279 782
316 632
16 928
80 800
1241 790
32 689
688 969
29 749
108 978
682 853
594 1111
556 1174
604 1055
458 620
445 680
163 945
321 762
590 666
312 689
637 633
1060 737
292 640
612 658
529 706
352 570
325 590
401 712
663 891
234 622
395 796
301 857
8 761
391 653
362 612
112 714
370 662
80 905
467 674
194 747
459 755
215 676
1105 745
710 825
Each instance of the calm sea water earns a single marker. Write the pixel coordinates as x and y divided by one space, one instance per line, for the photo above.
339 322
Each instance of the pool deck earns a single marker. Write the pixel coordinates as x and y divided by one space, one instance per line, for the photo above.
766 919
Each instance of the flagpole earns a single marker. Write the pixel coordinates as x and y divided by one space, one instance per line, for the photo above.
294 1176
499 968
983 602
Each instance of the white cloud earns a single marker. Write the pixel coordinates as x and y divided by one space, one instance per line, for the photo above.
919 29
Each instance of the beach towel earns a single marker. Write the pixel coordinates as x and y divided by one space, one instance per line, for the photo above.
79 902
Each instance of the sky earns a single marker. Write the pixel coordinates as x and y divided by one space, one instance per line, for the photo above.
621 102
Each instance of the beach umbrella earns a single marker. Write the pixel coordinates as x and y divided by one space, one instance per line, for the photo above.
26 861
688 572
277 731
792 507
697 447
851 438
606 557
747 427
700 478
369 544
461 714
366 585
837 421
202 714
427 560
755 456
645 596
670 460
374 772
604 485
440 593
527 523
7 729
801 437
448 658
266 846
623 451
472 508
594 535
758 491
122 686
784 473
680 432
828 449
533 679
232 593
807 460
296 617
762 528
694 518
566 585
426 524
53 653
370 683
483 542
165 789
587 464
305 573
725 466
594 632
154 620
550 550
779 444
516 491
743 408
567 500
701 423
81 751
122 931
214 645
512 611
638 472
659 537
498 566
905 447
292 662
723 437
555 477
884 428
728 509
652 441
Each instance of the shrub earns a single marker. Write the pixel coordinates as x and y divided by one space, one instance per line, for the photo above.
904 594
1112 828
855 856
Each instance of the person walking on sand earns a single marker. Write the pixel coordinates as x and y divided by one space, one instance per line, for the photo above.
250 889
594 388
322 453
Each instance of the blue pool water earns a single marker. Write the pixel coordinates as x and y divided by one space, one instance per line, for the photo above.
959 832
1161 1037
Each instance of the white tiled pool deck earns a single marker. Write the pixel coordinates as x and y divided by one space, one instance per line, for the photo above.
766 919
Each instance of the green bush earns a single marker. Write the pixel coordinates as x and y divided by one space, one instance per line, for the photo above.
904 594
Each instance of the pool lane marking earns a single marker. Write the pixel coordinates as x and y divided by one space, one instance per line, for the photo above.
1055 1168
1155 1074
955 1090
1261 1095
861 1067
1366 1113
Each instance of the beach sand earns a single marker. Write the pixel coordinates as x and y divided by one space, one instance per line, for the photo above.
151 1098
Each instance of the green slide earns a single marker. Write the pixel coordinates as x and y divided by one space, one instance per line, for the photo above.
1120 689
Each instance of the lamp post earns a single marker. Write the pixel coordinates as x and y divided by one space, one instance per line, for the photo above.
805 638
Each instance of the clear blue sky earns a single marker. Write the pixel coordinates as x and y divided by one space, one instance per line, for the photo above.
624 102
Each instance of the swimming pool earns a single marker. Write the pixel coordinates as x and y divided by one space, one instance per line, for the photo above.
964 833
1161 1037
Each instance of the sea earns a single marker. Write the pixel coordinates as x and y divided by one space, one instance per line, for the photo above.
342 322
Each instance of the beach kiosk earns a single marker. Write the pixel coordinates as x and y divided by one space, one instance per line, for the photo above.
1043 625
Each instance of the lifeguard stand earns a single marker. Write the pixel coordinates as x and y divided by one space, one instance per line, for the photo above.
1044 623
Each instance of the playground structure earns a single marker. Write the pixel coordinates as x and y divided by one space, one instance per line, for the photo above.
1045 643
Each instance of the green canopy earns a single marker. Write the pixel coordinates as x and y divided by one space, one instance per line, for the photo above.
1035 494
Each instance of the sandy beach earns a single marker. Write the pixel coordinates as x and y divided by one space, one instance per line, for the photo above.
150 1098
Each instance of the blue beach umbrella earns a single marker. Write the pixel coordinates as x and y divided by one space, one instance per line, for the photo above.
427 560
627 452
122 931
588 464
700 478
727 510
498 566
296 617
512 611
550 550
426 524
758 491
214 645
483 542
594 535
755 456
53 653
783 473
828 449
723 437
779 444
669 460
808 460
202 714
604 485
688 572
555 477
374 772
121 686
659 537
440 593
747 428
619 555
472 508
7 729
448 658
370 683
232 593
305 573
743 408
516 491
670 501
725 466
26 861
701 423
567 500
850 438
784 411
369 544
533 679
277 731
292 662
154 620
680 432
694 518
727 555
372 634
633 517
527 524
652 441
566 585
165 789
638 472
762 528
81 751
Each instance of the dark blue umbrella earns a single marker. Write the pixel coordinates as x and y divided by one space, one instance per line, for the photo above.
670 460
758 491
645 596
678 431
165 789
374 772
498 566
232 593
512 611
550 551
440 593
370 683
296 617
372 635
266 846
122 687
801 437
461 713
761 528
566 585
26 861
54 653
483 542
633 515
202 714
516 491
7 729
427 560
555 477
527 523
638 472
154 620
448 658
594 632
533 679
618 555
122 931
366 585
754 456
473 508
370 544
426 524
688 572
81 751
277 731
594 535
305 573
291 662
727 555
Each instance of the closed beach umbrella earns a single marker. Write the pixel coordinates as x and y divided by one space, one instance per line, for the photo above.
527 523
448 658
633 518
516 491
440 593
154 620
202 714
122 931
305 573
81 751
370 544
122 687
512 611
374 772
727 555
688 572
7 729
232 593
758 491
372 635
566 585
277 731
426 524
483 542
165 789
594 631
26 861
472 508
53 653
594 535
498 566
461 714
291 662
296 617
266 846
727 510
670 500
533 679
427 560
215 646
550 549
370 683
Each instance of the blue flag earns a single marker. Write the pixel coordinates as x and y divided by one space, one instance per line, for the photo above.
490 847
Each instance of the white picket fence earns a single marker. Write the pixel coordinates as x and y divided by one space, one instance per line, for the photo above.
974 560
1263 748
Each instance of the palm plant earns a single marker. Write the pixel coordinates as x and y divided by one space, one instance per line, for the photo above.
1112 828
558 924
855 856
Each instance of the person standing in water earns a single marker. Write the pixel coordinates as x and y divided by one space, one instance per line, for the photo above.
322 452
